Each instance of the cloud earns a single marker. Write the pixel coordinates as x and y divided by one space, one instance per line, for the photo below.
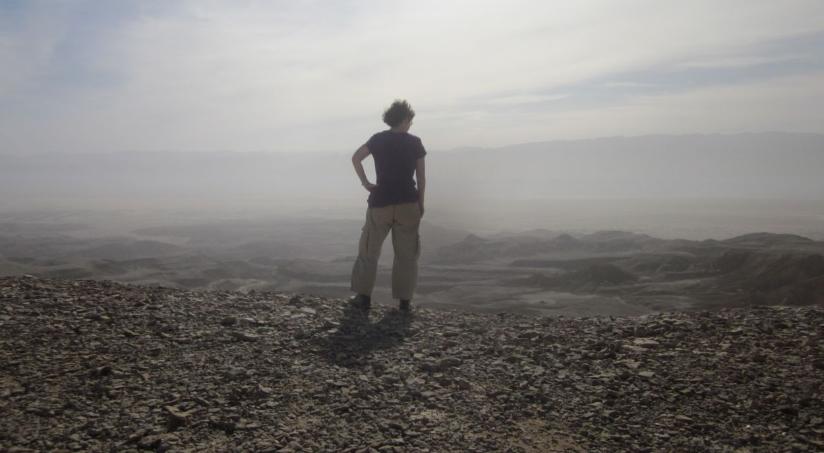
788 104
110 76
741 61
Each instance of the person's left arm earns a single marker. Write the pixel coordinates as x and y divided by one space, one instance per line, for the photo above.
357 162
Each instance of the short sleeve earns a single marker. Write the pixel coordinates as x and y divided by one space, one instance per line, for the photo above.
420 151
371 142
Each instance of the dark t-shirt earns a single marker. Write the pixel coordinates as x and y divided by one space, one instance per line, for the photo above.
395 155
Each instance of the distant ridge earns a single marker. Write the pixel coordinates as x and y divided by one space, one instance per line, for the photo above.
607 138
717 166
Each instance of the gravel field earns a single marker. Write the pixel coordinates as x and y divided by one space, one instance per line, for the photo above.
103 366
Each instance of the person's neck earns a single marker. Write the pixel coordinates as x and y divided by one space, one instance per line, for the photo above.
396 130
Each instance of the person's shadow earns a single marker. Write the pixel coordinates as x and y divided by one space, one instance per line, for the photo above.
355 336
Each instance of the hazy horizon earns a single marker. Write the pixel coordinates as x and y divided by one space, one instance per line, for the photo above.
687 186
461 148
699 120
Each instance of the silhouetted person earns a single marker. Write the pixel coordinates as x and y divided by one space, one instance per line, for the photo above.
394 204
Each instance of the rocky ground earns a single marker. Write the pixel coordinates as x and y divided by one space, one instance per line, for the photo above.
101 366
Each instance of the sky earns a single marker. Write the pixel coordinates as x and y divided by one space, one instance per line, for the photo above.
104 76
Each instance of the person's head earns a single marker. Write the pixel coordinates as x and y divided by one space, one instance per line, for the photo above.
399 115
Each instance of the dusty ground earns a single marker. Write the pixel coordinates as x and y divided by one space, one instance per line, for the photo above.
101 366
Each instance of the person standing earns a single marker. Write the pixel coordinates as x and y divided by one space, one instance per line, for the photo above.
394 204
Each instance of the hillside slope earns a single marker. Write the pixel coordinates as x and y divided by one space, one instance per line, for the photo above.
102 366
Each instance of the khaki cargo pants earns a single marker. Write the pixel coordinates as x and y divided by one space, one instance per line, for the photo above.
403 220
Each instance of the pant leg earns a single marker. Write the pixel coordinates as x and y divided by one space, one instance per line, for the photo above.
406 242
374 231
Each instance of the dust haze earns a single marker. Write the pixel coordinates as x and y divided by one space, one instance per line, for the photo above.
290 221
694 186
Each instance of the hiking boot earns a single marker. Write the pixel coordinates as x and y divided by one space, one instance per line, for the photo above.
361 301
404 305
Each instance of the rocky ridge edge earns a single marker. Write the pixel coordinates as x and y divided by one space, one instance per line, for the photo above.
104 366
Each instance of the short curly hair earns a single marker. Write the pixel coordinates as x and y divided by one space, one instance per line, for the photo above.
399 111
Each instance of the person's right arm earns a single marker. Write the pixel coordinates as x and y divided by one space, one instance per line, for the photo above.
357 162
